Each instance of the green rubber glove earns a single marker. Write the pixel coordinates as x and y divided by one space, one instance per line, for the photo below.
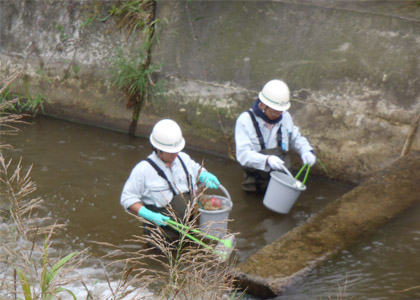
154 217
209 180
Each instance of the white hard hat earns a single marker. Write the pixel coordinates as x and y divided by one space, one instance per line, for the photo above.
275 94
167 136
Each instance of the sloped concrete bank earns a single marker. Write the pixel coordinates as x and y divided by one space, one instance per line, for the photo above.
385 195
352 68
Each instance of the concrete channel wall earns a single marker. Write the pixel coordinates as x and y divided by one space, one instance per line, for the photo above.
353 69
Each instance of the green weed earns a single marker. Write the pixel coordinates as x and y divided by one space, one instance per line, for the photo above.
61 31
27 104
20 103
133 77
133 14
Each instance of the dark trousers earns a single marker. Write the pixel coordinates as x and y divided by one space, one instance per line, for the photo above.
178 206
256 180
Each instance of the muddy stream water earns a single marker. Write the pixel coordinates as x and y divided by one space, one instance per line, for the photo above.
80 171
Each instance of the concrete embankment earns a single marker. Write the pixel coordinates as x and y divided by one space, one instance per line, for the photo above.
383 196
352 67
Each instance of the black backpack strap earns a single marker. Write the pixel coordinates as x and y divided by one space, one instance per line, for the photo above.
161 174
189 178
257 129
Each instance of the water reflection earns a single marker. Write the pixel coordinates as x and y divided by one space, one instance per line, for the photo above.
80 172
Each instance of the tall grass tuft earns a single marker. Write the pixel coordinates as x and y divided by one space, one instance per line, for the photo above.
25 240
186 269
28 272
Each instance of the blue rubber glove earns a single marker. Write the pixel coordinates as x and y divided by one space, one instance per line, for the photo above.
154 217
209 180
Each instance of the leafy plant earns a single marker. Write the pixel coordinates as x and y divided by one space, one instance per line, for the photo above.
133 76
48 291
26 104
48 275
18 239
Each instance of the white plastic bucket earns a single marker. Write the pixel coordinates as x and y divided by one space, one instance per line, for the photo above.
214 222
282 192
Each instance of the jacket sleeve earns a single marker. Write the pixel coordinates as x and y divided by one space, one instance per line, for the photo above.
298 142
133 188
247 145
192 165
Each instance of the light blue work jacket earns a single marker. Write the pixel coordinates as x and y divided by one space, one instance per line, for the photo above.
145 185
248 147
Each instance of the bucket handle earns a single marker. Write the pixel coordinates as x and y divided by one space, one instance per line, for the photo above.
222 188
288 172
306 175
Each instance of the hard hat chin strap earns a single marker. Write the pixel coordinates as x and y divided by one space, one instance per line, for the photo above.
157 151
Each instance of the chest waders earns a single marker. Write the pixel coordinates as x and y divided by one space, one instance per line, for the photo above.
257 180
178 204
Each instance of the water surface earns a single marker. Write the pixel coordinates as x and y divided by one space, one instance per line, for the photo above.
80 171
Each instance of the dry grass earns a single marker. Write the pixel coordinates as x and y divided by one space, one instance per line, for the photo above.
25 264
8 120
26 268
25 238
186 269
342 293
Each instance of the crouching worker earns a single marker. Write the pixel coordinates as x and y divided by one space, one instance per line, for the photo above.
265 133
165 181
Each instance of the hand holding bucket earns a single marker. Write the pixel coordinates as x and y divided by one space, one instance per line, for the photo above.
283 190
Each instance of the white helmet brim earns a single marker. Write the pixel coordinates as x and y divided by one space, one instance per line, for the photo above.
272 104
169 148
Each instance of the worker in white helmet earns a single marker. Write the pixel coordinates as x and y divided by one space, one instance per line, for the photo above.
265 133
165 179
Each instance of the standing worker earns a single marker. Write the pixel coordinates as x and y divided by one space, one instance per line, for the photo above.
166 178
265 133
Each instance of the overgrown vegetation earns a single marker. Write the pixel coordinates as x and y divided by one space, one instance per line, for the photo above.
186 268
133 75
134 14
25 237
21 103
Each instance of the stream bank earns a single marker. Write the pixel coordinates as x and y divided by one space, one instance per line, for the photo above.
382 197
